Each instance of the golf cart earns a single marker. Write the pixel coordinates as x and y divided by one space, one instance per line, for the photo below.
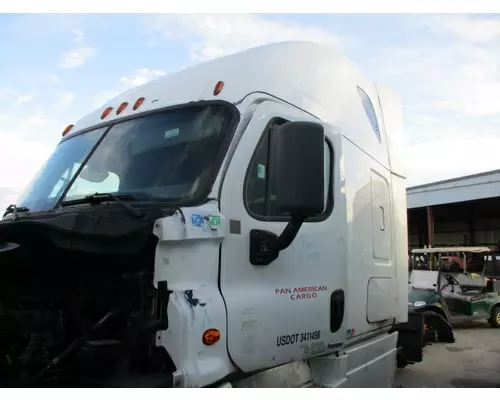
447 291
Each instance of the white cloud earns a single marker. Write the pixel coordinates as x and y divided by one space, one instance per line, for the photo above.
50 25
6 93
64 100
103 96
51 78
36 125
450 87
443 158
8 196
141 76
34 155
465 80
25 98
475 29
26 144
77 56
458 75
217 35
28 135
78 36
36 121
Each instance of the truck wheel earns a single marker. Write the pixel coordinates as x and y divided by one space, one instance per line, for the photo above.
401 360
402 364
494 319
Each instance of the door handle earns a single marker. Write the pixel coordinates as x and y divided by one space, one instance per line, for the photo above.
337 303
382 225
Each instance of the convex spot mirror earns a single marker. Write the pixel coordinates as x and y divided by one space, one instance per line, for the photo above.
298 150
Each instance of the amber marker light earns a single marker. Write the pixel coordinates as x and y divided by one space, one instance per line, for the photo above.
66 131
210 337
106 112
122 107
218 88
138 103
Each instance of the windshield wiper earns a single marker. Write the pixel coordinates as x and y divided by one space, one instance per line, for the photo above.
13 209
99 197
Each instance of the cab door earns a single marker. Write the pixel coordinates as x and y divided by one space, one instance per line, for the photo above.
292 308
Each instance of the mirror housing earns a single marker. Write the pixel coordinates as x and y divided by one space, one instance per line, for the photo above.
298 151
93 175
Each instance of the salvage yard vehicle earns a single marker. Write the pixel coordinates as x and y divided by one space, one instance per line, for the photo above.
446 296
240 223
454 261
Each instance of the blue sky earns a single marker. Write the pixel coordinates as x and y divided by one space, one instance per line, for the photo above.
57 68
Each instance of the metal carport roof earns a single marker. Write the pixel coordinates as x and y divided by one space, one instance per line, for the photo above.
466 188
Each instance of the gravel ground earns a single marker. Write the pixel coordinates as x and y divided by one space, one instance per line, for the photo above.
473 361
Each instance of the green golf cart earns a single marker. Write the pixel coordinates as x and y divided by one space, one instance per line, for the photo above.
454 284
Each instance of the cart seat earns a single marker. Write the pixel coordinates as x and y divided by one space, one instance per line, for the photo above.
474 282
467 296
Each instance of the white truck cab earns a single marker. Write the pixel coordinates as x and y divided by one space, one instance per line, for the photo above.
241 223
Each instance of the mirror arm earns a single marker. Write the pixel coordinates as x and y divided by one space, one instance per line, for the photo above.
265 246
289 233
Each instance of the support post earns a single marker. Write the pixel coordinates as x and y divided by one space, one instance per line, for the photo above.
471 218
430 227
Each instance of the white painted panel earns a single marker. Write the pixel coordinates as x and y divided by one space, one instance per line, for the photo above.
381 217
275 313
381 297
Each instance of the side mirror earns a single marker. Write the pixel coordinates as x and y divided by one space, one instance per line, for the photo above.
298 150
93 175
298 154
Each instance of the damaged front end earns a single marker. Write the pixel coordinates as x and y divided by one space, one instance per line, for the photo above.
112 244
78 307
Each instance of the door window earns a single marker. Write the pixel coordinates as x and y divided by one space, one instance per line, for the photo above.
260 197
370 112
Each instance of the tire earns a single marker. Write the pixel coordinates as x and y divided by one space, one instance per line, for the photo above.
432 335
494 319
402 364
401 360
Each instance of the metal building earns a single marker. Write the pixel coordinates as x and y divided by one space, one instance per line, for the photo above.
460 211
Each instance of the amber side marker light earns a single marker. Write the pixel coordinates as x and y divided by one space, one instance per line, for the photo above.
66 131
106 112
122 107
218 88
210 337
138 103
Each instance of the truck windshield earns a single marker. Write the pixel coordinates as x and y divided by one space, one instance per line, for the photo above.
169 155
